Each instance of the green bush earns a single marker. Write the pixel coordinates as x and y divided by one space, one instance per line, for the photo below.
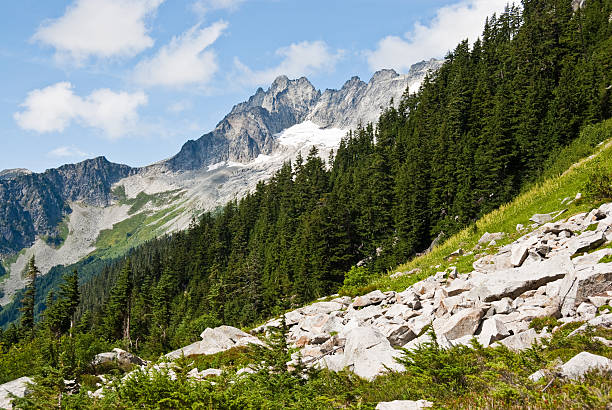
599 184
357 276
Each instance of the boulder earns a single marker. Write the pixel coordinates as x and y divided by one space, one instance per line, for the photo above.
334 362
492 330
204 374
502 306
584 362
417 324
514 282
541 219
119 356
488 237
18 388
586 311
216 340
458 286
321 308
519 254
293 317
372 298
397 334
521 341
404 405
369 353
462 323
584 282
398 310
586 241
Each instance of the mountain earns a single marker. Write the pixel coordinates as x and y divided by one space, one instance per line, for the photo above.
65 214
249 129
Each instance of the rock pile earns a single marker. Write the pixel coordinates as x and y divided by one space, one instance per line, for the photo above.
544 273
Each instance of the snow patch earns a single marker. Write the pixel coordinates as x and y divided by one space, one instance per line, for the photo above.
216 166
309 133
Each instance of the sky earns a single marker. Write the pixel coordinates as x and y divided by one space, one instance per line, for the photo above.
133 80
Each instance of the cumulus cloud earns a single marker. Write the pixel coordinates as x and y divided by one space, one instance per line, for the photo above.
185 60
68 152
99 28
453 23
202 7
55 107
298 59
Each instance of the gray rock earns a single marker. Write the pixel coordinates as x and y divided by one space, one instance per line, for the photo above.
398 334
18 388
488 237
492 330
372 298
321 308
369 352
502 306
538 375
216 340
541 219
417 324
334 362
599 301
586 241
521 341
586 311
584 362
462 323
513 282
519 254
404 405
120 356
584 282
458 286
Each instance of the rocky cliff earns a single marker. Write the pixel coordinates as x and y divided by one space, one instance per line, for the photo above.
34 204
249 129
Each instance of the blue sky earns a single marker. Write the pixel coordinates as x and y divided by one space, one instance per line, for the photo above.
134 79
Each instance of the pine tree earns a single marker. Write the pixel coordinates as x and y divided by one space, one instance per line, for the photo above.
29 298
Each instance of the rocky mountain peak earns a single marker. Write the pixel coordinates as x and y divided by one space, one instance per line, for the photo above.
14 173
384 75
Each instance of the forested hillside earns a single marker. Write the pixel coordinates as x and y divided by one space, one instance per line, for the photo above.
488 124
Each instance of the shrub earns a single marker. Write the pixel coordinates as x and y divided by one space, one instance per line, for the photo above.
599 184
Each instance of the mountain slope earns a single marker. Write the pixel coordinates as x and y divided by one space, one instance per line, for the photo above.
64 214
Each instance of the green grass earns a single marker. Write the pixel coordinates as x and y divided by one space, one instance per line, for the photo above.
131 232
543 197
62 231
142 225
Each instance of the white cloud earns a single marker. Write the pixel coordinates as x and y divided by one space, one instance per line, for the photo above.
185 60
100 28
299 59
202 7
68 152
453 23
55 107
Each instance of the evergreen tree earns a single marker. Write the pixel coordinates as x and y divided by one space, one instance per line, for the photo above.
29 298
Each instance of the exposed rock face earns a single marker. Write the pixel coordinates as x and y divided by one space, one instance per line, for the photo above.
34 204
18 387
249 129
357 102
